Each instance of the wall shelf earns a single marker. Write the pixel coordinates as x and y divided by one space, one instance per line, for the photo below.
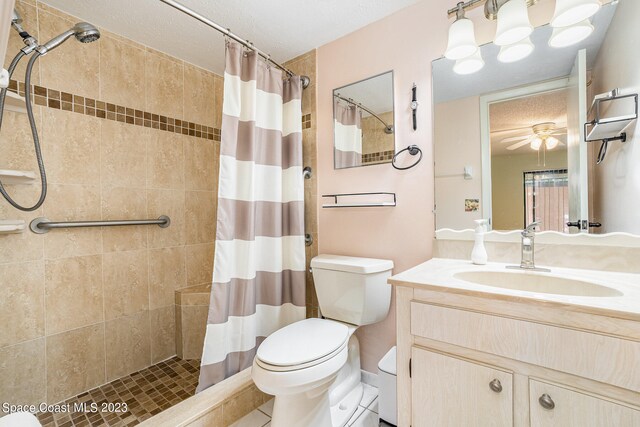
14 177
12 226
369 200
14 102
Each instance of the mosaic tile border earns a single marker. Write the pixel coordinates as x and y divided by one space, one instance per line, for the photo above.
378 156
103 110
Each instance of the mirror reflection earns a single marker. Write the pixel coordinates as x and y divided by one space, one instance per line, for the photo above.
363 122
511 144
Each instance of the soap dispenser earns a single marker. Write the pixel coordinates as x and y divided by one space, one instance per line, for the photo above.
479 253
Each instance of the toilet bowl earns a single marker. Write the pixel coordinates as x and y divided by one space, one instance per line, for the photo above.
312 367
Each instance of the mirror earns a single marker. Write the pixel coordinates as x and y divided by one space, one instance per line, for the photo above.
510 139
363 122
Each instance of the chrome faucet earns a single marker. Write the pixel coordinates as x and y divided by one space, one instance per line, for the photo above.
527 261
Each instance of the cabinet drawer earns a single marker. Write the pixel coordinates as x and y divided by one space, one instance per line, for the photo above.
447 391
575 352
551 405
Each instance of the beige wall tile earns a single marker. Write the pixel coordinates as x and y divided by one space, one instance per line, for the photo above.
199 264
200 217
240 405
219 91
128 345
30 23
163 333
25 246
199 164
21 302
122 73
22 373
193 324
75 362
171 203
73 293
124 203
72 203
213 418
167 273
164 85
74 66
165 160
199 95
71 147
126 283
123 154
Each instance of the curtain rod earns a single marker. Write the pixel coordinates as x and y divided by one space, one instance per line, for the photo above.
227 32
387 128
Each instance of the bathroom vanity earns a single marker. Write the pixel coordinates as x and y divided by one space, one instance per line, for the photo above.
488 346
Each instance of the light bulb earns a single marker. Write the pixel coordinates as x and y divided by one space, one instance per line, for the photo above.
569 12
551 143
462 40
536 143
516 52
470 65
567 36
513 23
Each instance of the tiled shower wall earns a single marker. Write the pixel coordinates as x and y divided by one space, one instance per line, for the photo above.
82 307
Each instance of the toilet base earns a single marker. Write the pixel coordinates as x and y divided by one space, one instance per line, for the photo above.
344 410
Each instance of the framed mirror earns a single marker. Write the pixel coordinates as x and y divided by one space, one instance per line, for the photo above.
363 122
511 141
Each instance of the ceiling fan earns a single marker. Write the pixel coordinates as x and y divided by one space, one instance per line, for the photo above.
541 133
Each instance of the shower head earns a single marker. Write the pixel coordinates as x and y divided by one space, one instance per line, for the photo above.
83 32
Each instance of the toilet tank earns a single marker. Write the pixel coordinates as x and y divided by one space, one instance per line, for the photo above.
352 290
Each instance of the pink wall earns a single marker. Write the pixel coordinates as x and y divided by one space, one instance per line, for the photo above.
406 43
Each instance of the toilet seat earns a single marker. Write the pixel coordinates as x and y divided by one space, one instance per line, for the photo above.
302 345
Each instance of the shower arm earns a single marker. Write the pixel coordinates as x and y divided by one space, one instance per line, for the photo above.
227 32
387 128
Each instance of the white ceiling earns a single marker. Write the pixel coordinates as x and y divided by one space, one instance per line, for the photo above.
545 63
284 28
516 117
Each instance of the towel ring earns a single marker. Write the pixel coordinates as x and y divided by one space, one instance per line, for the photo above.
413 150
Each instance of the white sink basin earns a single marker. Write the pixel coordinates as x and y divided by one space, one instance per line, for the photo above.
538 283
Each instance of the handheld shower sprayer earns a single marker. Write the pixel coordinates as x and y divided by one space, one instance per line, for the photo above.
84 33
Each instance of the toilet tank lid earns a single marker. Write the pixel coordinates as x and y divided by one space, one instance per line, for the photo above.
351 264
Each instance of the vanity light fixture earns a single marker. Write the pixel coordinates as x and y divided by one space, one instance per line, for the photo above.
516 51
567 36
462 38
570 12
469 65
513 23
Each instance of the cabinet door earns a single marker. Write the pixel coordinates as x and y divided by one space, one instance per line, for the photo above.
447 391
556 406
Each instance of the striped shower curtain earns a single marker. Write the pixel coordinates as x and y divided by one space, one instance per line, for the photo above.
348 135
259 264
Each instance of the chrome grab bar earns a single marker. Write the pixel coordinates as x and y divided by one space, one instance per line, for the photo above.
42 225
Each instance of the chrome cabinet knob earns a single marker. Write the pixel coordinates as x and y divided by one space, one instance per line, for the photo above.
495 385
546 401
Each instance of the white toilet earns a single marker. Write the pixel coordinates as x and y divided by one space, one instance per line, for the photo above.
312 367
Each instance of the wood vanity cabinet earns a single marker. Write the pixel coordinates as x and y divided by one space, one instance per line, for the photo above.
466 360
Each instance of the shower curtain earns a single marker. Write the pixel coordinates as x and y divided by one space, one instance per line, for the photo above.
259 263
348 129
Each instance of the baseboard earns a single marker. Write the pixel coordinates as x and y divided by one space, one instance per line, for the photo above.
369 378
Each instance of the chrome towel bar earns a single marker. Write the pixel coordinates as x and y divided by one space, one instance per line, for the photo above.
43 225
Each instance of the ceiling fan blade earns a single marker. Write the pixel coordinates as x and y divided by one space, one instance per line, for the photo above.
520 144
514 138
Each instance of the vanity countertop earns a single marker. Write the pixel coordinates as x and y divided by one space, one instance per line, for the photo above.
438 274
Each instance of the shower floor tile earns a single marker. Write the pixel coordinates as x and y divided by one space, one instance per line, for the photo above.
145 393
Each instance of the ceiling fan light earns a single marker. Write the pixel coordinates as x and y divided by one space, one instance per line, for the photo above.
551 143
462 40
567 36
570 12
516 52
513 23
470 65
536 143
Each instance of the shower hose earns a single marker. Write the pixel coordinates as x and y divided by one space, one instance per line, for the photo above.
34 131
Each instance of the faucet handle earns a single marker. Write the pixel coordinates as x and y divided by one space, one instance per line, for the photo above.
530 228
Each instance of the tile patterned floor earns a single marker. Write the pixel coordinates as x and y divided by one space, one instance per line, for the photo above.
365 416
145 394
